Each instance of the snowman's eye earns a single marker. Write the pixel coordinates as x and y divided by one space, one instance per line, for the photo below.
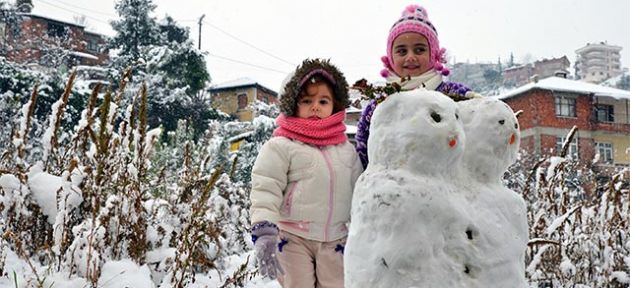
501 122
436 117
515 125
456 116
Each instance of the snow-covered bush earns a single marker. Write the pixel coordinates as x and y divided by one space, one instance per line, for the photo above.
100 193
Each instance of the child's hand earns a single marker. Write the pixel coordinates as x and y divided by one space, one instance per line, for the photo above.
265 237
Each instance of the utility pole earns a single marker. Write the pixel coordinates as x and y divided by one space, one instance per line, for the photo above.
200 22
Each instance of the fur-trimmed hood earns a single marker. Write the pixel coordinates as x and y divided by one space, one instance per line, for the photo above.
290 90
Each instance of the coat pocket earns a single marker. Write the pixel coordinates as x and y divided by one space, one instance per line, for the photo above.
287 203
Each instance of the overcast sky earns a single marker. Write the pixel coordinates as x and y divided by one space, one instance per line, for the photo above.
273 36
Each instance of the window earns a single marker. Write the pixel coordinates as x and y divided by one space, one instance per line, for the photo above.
56 30
265 99
242 101
572 152
605 151
565 106
604 113
92 45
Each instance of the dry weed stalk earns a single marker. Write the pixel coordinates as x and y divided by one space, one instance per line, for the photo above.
240 277
56 121
23 134
196 232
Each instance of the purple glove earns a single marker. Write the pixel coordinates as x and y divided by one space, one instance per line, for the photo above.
265 238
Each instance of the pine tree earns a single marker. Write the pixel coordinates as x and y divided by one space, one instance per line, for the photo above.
25 6
136 29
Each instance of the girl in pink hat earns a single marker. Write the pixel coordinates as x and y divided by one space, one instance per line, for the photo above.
414 60
302 182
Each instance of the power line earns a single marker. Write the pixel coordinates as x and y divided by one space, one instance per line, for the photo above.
86 9
247 43
210 24
248 64
68 10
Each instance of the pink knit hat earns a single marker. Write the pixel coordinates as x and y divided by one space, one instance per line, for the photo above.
415 19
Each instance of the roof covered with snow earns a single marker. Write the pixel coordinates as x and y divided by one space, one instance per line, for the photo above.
567 85
35 15
239 82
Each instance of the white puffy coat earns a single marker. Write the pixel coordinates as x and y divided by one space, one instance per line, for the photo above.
304 189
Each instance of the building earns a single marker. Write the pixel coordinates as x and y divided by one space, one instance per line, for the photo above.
234 97
517 75
520 75
550 67
48 42
597 62
474 75
552 106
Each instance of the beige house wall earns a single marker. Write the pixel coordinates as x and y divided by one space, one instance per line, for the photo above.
621 146
227 102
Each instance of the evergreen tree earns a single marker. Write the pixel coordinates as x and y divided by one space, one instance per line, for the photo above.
25 6
136 29
177 73
624 82
511 61
171 32
499 65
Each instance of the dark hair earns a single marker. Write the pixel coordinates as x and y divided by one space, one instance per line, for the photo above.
321 71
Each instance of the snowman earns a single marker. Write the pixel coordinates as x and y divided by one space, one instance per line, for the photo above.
501 232
409 218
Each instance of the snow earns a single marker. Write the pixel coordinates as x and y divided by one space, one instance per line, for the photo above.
44 188
244 81
83 55
567 85
351 129
430 209
125 273
558 221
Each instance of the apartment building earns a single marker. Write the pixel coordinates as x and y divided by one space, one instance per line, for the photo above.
597 62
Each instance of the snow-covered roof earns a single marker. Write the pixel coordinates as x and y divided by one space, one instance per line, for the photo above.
35 15
84 55
567 85
353 109
244 81
240 82
240 136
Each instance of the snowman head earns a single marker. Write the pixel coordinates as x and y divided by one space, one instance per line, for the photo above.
417 130
493 137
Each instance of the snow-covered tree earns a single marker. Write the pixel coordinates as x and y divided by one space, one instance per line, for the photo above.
136 28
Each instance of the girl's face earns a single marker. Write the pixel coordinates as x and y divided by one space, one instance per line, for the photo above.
316 102
411 54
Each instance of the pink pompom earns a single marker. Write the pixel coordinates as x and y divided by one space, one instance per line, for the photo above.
438 66
410 9
445 71
415 9
384 73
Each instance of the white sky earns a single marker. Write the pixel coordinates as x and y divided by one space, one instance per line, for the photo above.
352 33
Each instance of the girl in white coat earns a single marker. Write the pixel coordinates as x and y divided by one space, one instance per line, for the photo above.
302 182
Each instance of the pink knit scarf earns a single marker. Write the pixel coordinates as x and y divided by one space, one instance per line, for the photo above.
320 132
